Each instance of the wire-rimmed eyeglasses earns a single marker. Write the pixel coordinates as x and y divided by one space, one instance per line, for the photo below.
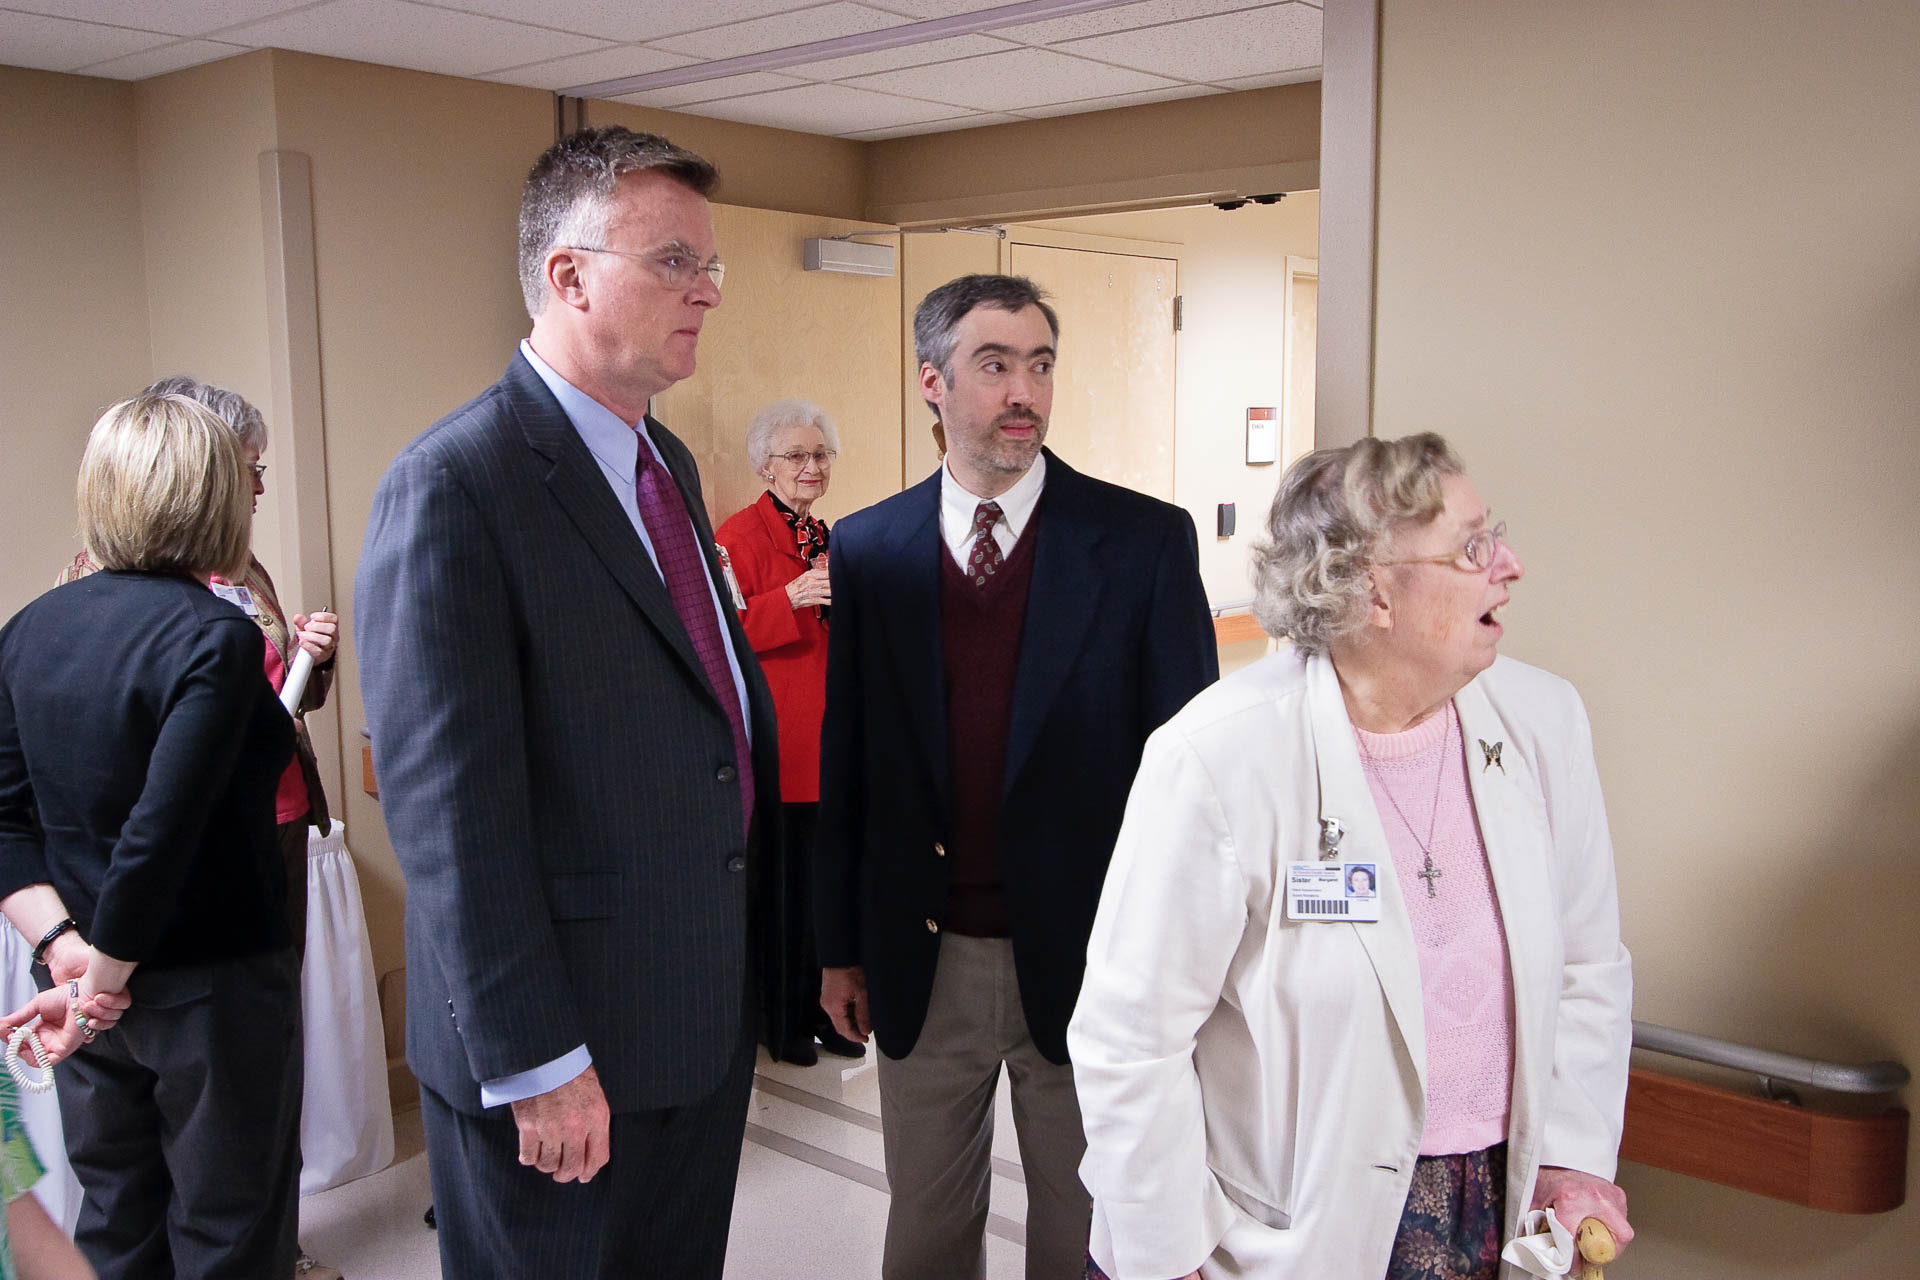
798 458
674 265
1478 553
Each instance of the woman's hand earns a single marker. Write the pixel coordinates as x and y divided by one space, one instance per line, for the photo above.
1575 1196
318 633
810 589
59 1031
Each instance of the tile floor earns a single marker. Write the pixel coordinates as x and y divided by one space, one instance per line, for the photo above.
811 1204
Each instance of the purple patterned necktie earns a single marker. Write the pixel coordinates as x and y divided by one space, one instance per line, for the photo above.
670 529
985 557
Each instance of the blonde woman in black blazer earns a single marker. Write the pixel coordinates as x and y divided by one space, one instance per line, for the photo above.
139 748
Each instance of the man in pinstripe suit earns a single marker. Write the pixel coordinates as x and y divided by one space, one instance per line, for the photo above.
576 756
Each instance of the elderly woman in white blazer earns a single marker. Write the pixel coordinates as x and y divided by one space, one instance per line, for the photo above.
1273 1089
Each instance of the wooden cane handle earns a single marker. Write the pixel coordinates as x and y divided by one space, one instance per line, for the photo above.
1597 1248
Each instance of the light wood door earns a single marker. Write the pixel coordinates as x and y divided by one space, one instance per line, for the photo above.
1113 386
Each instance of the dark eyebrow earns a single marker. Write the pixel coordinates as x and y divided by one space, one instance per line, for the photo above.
1002 349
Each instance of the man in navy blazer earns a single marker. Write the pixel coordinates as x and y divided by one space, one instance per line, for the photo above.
575 747
1005 636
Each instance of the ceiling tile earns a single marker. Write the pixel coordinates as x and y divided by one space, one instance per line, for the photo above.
824 108
399 34
173 17
1124 17
1300 76
1012 80
975 120
1118 100
589 68
625 20
938 8
58 44
781 31
1254 42
681 95
168 57
912 55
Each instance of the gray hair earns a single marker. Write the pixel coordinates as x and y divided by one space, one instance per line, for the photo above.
568 195
233 408
940 313
777 417
1331 522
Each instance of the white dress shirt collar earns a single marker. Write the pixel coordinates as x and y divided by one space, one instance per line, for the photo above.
957 506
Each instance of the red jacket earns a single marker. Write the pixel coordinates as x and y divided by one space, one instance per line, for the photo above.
791 644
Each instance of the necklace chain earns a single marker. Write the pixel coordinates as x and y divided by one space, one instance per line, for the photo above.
1428 871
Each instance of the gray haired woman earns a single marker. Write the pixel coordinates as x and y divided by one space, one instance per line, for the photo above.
1283 1076
777 550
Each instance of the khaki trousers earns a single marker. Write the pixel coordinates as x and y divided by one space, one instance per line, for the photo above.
936 1114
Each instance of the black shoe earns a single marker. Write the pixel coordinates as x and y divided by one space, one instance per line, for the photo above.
839 1046
799 1051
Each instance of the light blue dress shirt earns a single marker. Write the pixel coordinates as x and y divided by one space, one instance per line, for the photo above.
610 440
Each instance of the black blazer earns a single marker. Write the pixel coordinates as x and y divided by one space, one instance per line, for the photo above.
140 746
555 772
1117 638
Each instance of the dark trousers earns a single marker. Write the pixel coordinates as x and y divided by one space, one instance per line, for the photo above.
661 1207
183 1125
292 839
800 972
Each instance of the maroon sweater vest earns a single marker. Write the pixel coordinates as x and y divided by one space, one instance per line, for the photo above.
980 628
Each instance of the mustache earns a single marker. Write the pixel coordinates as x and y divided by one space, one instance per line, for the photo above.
1018 416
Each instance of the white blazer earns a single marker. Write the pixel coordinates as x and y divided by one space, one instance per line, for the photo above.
1253 1088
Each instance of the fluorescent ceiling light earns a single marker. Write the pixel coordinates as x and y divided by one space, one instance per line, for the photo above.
963 24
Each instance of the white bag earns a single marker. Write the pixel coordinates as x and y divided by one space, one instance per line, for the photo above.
346 1119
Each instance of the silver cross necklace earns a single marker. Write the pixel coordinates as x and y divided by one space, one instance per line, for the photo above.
1428 871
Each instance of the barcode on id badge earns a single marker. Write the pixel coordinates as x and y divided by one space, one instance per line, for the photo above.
1315 907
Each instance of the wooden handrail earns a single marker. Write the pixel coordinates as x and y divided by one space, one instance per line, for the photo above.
1843 1163
1236 628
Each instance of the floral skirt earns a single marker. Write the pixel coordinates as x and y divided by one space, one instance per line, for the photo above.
1451 1227
1456 1210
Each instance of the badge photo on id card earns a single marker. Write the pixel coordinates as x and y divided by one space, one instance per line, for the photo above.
1333 892
239 597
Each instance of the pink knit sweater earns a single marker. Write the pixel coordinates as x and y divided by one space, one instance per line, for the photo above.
1465 979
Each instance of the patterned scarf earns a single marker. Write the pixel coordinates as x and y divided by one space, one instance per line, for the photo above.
809 532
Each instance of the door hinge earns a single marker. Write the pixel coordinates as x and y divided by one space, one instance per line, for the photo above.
1179 307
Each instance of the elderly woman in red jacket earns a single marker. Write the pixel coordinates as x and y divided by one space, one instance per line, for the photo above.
778 553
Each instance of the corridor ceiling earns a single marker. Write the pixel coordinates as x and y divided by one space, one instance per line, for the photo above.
1026 64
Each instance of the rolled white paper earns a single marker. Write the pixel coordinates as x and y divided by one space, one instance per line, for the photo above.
296 683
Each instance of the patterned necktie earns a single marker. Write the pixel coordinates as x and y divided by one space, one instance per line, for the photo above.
985 557
670 529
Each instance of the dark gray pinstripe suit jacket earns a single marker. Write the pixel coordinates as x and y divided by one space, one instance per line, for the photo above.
550 759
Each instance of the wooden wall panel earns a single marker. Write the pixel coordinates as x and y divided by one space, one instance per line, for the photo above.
781 331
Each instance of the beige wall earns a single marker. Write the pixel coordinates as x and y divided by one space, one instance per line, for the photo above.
72 301
1247 143
760 168
1655 268
200 135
